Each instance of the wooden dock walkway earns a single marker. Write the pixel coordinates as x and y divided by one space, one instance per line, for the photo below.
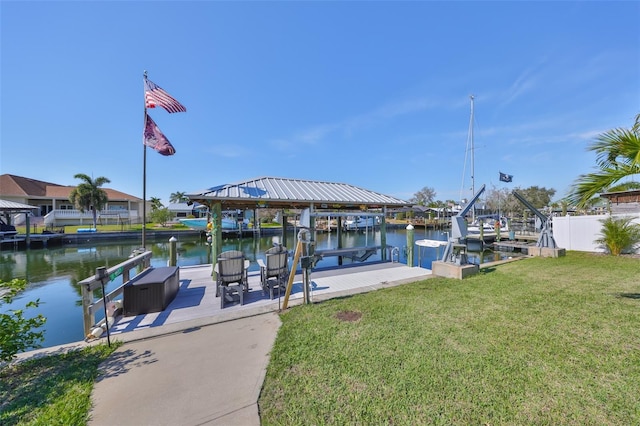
196 303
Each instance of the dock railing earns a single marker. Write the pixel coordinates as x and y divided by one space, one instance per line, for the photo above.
91 305
359 254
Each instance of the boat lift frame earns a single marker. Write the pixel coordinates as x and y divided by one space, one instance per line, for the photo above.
452 252
545 239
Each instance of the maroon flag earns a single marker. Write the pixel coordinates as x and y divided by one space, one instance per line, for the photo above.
154 138
155 95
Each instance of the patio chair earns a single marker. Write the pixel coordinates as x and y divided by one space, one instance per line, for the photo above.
274 273
231 271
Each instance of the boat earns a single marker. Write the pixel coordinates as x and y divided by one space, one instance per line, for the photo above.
354 223
200 224
488 225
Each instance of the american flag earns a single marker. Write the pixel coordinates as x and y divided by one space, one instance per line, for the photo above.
155 95
155 139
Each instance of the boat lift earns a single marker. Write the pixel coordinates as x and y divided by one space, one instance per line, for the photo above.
455 251
546 234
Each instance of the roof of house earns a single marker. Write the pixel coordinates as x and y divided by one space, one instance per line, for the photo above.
293 193
414 208
630 198
186 206
18 186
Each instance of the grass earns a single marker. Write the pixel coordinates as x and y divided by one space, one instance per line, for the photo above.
52 390
540 341
72 229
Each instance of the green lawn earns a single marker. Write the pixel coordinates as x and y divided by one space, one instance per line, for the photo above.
539 341
54 390
534 342
72 229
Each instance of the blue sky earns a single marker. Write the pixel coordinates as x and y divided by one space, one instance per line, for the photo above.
373 94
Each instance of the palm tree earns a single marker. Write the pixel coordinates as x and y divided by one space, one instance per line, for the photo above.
619 235
178 197
156 204
89 196
618 156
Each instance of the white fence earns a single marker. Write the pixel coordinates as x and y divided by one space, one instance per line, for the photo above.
579 232
76 217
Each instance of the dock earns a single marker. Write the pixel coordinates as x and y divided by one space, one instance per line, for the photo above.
18 240
196 303
513 246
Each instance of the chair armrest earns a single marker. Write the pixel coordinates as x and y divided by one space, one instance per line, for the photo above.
263 270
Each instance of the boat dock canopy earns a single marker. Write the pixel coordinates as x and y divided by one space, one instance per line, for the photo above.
272 192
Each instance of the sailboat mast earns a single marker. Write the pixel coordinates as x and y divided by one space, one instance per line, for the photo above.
473 172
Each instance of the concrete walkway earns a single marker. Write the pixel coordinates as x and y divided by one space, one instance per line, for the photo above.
210 370
205 375
207 368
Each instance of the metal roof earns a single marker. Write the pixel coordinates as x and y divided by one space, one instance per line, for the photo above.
6 205
294 193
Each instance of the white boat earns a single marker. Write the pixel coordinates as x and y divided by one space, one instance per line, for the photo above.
354 223
488 225
431 243
200 224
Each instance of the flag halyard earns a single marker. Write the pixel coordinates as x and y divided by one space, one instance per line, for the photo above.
155 95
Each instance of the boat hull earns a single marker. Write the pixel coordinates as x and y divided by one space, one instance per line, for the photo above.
201 224
359 223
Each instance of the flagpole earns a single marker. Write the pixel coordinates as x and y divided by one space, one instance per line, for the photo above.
152 136
144 175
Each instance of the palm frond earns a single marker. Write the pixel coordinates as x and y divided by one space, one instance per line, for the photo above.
589 185
617 146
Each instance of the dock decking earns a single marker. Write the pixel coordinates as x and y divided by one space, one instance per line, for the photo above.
21 239
196 303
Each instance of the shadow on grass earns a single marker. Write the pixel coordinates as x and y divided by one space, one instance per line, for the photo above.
629 295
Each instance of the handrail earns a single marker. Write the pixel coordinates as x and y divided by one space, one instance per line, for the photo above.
396 251
345 251
90 305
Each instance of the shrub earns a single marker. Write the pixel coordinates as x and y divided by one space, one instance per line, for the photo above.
619 235
161 216
16 331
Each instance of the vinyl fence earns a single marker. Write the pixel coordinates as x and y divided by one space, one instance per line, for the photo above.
579 232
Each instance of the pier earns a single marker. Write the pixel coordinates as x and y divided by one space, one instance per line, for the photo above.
519 244
196 300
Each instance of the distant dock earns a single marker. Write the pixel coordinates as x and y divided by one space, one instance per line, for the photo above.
20 241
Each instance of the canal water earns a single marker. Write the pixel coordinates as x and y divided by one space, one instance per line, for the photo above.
53 274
